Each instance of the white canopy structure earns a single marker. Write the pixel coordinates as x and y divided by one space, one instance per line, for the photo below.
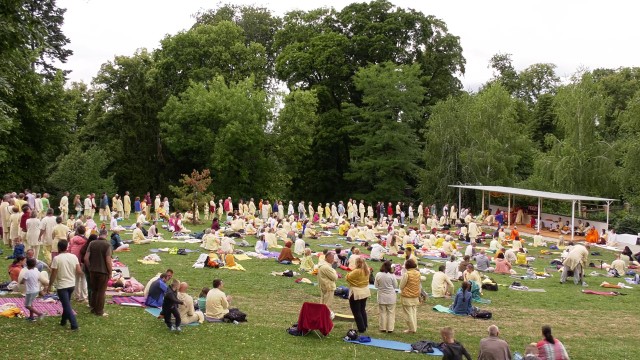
536 194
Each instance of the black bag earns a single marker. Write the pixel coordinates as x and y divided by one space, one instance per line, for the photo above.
490 287
352 335
342 291
424 346
482 314
235 315
182 252
293 330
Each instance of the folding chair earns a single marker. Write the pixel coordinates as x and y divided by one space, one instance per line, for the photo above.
315 317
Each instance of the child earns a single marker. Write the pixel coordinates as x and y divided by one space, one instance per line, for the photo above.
452 349
202 299
31 279
169 306
18 249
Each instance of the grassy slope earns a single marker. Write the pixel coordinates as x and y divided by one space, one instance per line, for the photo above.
592 327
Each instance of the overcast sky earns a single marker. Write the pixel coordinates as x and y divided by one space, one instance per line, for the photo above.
570 34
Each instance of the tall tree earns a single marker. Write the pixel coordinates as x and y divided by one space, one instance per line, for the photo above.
580 162
123 122
386 150
231 122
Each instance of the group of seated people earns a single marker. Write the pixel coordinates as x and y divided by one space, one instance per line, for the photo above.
167 293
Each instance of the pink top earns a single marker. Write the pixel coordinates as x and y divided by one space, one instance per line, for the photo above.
502 267
75 245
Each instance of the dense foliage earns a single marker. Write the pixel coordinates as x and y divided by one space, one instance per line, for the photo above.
323 104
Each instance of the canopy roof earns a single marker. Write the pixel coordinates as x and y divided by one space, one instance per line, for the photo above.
532 193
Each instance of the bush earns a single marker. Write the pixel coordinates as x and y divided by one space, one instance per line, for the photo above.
628 224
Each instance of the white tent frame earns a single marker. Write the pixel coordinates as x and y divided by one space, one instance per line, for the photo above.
533 193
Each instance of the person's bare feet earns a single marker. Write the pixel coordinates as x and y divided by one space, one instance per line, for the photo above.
409 332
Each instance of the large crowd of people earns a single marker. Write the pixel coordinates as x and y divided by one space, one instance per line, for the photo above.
80 265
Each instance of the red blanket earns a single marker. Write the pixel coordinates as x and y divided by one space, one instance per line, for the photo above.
315 317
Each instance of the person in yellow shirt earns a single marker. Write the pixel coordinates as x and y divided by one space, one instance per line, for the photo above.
217 303
60 232
327 277
127 205
441 285
359 292
343 228
138 236
410 289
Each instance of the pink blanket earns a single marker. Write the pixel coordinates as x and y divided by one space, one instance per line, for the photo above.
47 308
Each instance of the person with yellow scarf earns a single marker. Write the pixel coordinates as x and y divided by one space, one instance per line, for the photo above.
358 280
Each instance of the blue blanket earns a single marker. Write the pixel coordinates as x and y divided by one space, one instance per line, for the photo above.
393 345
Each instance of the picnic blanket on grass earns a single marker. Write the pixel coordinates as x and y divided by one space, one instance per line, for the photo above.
442 309
128 300
47 308
392 345
525 288
604 293
156 312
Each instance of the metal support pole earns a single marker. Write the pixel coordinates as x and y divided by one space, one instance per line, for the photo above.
509 211
539 211
573 215
608 205
482 202
459 201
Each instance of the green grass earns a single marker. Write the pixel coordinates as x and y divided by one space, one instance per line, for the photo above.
591 327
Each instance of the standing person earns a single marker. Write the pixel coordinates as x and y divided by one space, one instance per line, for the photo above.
5 217
64 269
104 203
576 261
98 260
358 280
64 206
550 348
361 209
451 348
93 205
60 232
46 234
77 205
433 210
75 247
494 348
127 205
38 209
420 214
87 206
45 205
327 277
386 284
33 234
410 295
31 279
137 207
170 306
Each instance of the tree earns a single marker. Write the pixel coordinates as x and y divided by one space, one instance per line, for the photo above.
230 122
581 161
123 121
293 130
383 161
207 51
192 194
82 172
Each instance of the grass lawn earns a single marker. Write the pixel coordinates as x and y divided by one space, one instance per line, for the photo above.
591 327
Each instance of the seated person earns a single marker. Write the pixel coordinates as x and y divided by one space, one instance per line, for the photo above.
451 267
502 265
162 213
521 258
462 301
352 234
202 299
271 239
565 230
188 313
592 236
113 225
261 245
138 236
483 263
299 245
286 254
210 241
516 244
16 266
441 285
510 256
470 274
537 240
142 218
153 231
215 224
619 265
306 263
355 255
378 251
217 302
156 292
116 242
227 245
447 246
250 229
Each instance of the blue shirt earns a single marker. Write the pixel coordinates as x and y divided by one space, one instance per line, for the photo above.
156 294
136 206
462 303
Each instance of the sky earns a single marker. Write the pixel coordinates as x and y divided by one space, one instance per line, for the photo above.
570 34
